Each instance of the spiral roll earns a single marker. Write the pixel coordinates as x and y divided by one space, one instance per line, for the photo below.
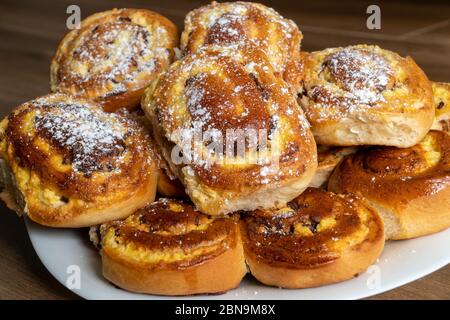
409 187
171 249
113 56
74 164
319 238
232 89
364 95
242 23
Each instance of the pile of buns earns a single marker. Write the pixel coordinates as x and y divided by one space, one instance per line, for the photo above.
359 137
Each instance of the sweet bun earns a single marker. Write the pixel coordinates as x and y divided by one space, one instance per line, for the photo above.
113 56
216 93
442 102
409 187
70 164
244 22
168 248
318 239
364 95
328 158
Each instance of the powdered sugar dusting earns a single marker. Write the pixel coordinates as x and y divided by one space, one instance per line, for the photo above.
235 111
361 73
114 55
86 134
243 23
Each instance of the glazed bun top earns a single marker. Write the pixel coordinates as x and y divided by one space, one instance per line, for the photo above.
169 233
315 229
390 174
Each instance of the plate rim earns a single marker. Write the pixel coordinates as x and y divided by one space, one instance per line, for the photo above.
88 296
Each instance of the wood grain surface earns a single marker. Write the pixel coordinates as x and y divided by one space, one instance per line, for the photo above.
30 31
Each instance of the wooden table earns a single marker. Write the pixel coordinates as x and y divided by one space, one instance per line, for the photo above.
30 31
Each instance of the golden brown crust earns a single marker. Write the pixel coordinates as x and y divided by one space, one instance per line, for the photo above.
441 93
320 238
327 159
75 164
366 95
409 187
244 22
114 56
169 248
223 89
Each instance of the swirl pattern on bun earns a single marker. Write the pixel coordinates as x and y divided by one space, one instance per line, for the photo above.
242 23
364 95
113 56
220 91
74 164
169 248
409 187
319 238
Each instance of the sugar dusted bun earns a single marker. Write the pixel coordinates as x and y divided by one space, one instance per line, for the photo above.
364 95
327 159
241 23
113 56
70 164
409 187
318 239
220 89
442 102
168 248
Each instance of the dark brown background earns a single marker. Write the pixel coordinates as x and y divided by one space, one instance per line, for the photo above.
30 31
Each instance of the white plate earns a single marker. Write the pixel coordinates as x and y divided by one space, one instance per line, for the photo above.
401 262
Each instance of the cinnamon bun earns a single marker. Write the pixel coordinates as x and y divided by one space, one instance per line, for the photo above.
70 164
244 22
364 95
409 187
442 103
318 239
168 248
209 98
113 56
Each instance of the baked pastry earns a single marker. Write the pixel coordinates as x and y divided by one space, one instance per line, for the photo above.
205 101
364 95
319 238
409 187
442 103
243 22
113 56
327 159
168 248
73 165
